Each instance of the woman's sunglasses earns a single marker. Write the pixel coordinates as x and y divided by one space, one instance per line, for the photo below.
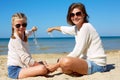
23 25
77 14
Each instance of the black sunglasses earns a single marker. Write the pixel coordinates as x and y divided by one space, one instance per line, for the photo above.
23 25
77 14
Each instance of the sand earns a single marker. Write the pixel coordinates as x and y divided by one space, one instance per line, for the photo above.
113 58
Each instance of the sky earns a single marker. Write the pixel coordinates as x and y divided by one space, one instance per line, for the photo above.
104 15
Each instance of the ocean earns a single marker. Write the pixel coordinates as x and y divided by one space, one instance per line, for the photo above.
58 45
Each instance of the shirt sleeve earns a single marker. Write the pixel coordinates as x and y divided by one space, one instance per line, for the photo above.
68 30
82 38
29 32
23 53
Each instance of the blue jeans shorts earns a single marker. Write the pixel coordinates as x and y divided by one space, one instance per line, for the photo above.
93 67
13 71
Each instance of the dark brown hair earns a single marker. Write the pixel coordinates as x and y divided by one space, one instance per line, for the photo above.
18 16
79 6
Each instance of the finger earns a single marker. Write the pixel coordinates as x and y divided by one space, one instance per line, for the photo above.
45 63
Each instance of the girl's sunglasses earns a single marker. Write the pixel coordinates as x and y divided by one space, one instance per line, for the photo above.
77 14
23 25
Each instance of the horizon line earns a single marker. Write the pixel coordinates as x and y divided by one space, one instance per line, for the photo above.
68 37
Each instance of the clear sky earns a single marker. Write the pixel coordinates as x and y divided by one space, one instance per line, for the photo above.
104 15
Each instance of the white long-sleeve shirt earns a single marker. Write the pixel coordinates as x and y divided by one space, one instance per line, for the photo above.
18 53
88 43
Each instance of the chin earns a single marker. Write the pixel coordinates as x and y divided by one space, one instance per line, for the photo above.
76 23
21 32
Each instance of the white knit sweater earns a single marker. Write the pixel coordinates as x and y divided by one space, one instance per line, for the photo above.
18 53
88 43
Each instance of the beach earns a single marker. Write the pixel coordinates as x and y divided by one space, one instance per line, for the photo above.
113 60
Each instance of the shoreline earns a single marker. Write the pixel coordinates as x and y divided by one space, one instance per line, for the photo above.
113 57
106 51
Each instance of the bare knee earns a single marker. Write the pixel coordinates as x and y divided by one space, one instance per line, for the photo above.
70 64
65 64
65 61
43 70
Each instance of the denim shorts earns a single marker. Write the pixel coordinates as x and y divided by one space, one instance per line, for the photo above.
93 67
13 71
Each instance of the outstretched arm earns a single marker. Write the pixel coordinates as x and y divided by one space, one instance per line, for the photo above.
30 32
53 28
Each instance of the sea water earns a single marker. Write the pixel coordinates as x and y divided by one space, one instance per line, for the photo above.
59 44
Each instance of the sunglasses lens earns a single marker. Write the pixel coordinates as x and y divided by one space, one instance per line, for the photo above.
72 15
23 25
17 25
78 14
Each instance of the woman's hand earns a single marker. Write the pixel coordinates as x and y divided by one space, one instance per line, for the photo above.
54 28
52 67
50 29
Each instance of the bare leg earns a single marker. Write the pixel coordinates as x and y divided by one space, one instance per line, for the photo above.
71 65
33 71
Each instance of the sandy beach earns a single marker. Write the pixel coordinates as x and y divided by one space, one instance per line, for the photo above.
113 58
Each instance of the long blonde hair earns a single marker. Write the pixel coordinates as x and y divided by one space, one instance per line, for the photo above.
18 16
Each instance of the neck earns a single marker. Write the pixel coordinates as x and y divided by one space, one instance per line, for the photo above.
21 36
79 26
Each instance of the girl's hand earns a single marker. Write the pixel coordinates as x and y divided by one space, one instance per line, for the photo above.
34 28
